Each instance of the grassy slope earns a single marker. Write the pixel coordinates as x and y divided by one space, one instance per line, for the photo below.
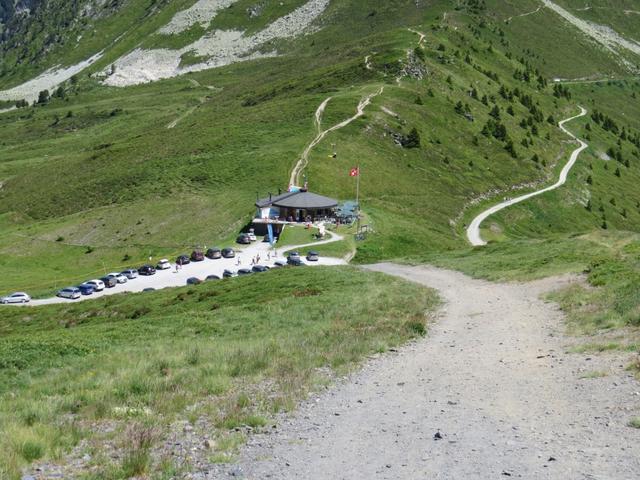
112 176
61 369
109 30
134 177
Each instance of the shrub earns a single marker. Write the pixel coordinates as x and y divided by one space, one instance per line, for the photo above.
31 451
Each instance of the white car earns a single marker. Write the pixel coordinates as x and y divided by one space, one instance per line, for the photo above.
252 235
18 297
98 285
120 277
71 293
163 264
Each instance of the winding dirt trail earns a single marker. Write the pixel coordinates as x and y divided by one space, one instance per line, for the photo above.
492 379
524 14
420 34
473 231
304 158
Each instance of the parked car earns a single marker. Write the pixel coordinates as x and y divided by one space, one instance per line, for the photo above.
120 278
98 285
295 261
149 289
130 273
260 268
183 260
214 253
244 271
279 264
243 239
193 281
229 274
313 256
252 235
228 252
211 277
163 264
86 289
293 254
17 297
72 293
197 256
109 282
147 270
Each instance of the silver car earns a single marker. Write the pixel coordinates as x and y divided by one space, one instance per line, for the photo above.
71 293
18 297
131 273
120 277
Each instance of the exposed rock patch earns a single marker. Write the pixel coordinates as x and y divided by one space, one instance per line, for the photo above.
219 47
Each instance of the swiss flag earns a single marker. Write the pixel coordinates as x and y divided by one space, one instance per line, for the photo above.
354 172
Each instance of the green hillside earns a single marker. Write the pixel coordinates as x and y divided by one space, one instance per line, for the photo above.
95 178
98 171
192 353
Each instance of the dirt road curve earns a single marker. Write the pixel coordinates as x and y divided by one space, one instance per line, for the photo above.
492 378
473 231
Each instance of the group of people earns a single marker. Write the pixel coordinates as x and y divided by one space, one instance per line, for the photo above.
256 260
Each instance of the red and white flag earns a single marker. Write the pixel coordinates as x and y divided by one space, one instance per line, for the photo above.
354 172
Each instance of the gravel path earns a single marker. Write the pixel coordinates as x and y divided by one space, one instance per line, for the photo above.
491 379
473 231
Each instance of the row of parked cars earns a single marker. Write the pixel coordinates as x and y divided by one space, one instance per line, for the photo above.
112 279
293 259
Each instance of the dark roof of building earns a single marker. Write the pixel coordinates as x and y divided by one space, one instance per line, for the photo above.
302 200
266 202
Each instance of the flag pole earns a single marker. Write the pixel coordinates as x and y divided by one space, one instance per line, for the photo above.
358 199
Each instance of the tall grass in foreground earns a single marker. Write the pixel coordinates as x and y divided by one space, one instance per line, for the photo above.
233 352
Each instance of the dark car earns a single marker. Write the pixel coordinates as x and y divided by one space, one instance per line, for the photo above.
86 289
149 289
244 271
212 277
213 253
193 281
229 274
147 270
313 256
243 239
295 261
109 282
183 260
197 256
260 268
228 252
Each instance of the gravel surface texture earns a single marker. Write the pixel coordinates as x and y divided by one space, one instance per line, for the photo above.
490 393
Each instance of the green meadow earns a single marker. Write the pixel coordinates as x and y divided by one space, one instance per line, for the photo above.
235 352
101 178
